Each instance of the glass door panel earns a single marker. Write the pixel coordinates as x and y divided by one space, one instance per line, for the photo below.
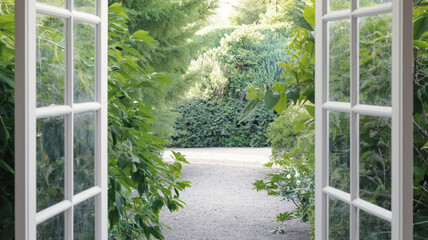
339 215
50 60
363 113
339 154
61 108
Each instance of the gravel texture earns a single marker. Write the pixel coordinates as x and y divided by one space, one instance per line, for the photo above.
221 203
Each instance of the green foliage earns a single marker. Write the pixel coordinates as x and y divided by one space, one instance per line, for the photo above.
298 72
7 52
271 12
140 182
248 56
420 121
293 163
172 25
248 12
375 132
215 124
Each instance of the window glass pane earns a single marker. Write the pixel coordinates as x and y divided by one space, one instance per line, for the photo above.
51 229
338 220
335 5
85 5
339 154
366 3
375 60
339 60
50 161
84 62
84 140
375 160
374 228
55 3
84 220
50 61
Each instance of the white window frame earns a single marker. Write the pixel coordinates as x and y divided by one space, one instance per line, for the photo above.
26 115
400 112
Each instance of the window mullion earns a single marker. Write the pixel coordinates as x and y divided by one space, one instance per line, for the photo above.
354 124
69 136
101 129
402 122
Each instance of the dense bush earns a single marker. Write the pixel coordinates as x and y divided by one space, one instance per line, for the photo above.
293 159
247 56
7 65
215 124
140 182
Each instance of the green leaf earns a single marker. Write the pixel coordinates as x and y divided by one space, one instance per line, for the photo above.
299 126
249 110
157 204
271 98
309 14
311 110
420 44
310 94
282 104
420 26
143 36
425 146
293 93
6 167
279 87
365 154
254 93
285 216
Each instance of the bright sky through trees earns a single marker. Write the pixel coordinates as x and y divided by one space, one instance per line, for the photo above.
223 13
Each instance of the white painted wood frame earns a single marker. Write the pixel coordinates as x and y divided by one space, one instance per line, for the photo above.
400 216
26 114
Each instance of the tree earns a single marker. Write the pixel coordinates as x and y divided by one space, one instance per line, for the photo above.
173 25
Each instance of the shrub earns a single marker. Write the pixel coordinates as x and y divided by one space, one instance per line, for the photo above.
247 56
293 163
215 124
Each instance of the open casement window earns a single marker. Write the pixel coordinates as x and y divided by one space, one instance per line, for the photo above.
363 119
61 119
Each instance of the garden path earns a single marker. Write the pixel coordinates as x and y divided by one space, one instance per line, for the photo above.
221 203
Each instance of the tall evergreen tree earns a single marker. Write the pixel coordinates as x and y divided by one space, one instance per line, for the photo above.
173 24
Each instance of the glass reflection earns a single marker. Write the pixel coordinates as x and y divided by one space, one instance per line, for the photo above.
84 62
339 154
339 218
51 229
85 6
339 61
375 160
335 5
84 140
50 61
374 228
50 162
84 220
375 60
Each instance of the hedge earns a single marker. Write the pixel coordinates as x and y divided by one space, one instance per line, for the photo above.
215 123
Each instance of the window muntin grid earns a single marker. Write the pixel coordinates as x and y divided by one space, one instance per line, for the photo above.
328 104
55 112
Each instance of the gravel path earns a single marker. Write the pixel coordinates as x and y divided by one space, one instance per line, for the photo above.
221 203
